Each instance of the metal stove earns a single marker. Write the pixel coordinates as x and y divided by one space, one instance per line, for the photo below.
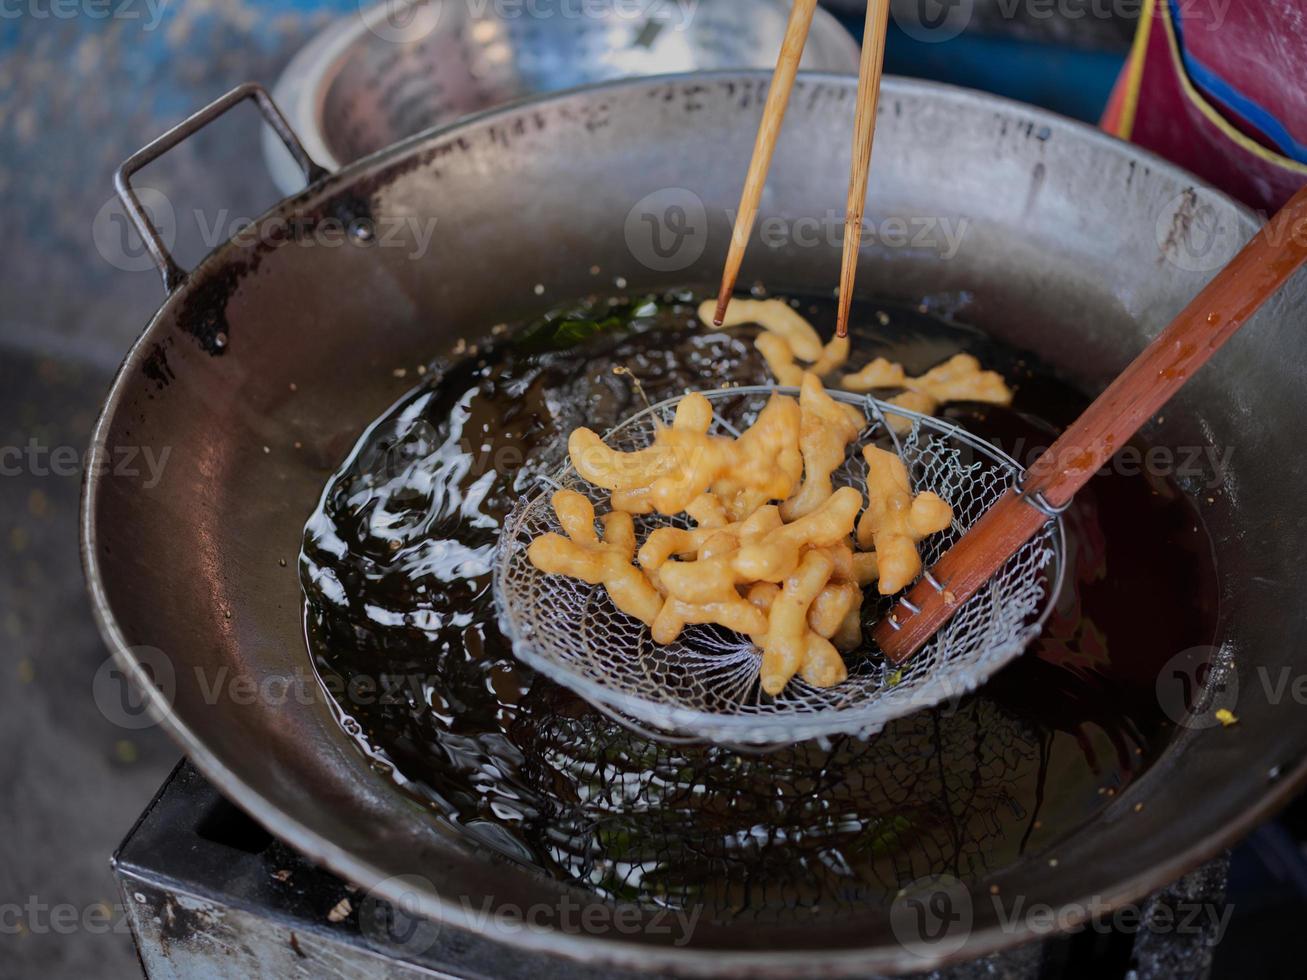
209 893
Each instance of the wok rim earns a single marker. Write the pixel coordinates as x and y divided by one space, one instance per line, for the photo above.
602 949
302 87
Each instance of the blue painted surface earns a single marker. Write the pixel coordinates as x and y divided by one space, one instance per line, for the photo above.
1073 81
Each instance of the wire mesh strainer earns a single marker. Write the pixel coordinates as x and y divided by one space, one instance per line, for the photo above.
705 685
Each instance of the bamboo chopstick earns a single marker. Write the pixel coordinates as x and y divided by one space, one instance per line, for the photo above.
773 114
864 130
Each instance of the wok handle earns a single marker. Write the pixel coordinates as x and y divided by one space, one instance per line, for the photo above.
173 274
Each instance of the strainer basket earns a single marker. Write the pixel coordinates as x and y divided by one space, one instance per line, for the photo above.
705 685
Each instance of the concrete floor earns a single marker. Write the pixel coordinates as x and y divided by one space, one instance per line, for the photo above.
77 96
74 781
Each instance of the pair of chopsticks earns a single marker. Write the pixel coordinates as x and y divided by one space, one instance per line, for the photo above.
864 126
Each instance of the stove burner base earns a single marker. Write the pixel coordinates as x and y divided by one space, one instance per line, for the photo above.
209 893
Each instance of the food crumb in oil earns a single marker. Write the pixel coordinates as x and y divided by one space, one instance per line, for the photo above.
422 369
539 289
882 318
993 889
281 562
267 450
594 270
1052 862
1139 808
1226 717
293 386
400 372
340 911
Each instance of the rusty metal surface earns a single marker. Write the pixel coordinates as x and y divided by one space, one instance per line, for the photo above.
208 894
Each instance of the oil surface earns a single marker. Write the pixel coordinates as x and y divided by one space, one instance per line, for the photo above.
396 570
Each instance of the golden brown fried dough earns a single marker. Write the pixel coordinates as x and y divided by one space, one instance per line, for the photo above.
824 434
780 359
888 520
735 614
822 664
880 373
775 556
960 378
582 555
787 627
833 356
774 316
831 606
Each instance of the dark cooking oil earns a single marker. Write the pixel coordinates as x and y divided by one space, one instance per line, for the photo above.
396 570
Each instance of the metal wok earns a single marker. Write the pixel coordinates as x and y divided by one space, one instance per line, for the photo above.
1077 248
